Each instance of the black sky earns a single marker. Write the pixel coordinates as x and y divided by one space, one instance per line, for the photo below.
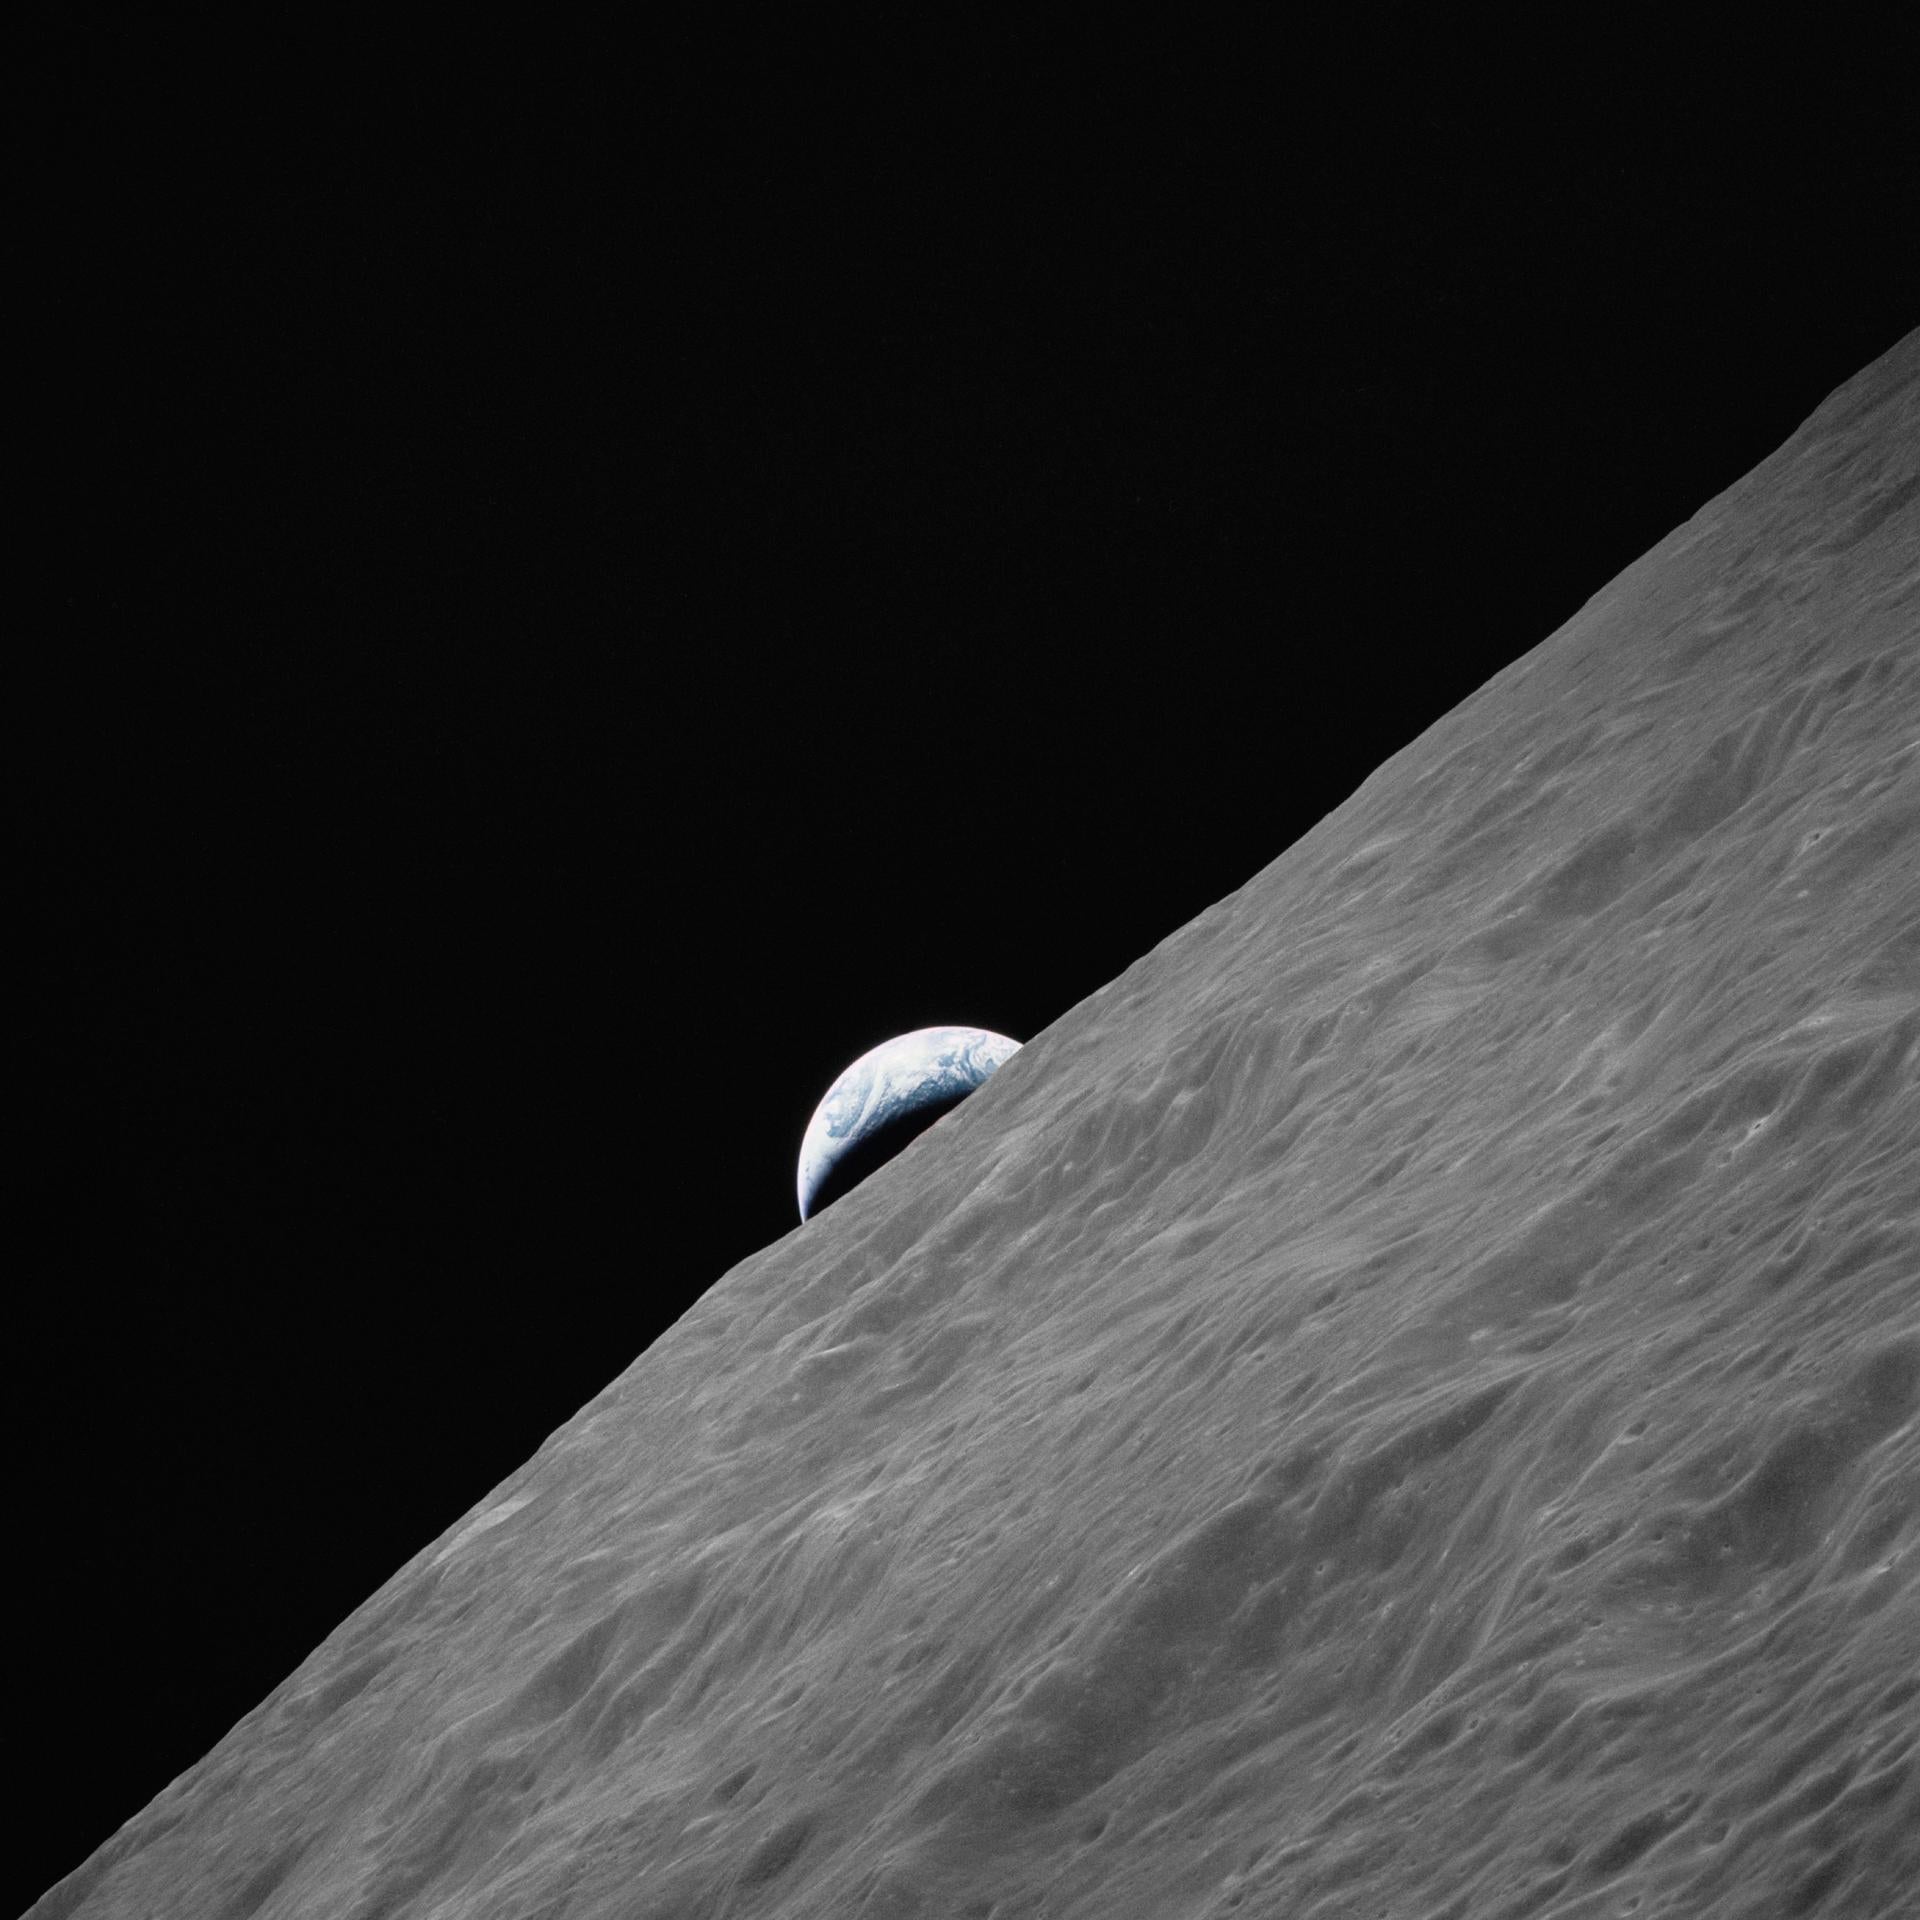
575 589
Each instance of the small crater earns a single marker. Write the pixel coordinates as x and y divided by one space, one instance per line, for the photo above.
778 1851
349 1685
1897 1695
1814 1887
1630 1842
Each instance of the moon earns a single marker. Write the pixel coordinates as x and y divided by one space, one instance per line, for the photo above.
889 1096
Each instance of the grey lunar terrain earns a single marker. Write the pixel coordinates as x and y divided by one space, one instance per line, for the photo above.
1403 1403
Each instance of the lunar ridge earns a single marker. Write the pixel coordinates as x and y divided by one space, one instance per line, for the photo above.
1403 1402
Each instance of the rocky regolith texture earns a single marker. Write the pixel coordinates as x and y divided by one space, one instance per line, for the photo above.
1403 1403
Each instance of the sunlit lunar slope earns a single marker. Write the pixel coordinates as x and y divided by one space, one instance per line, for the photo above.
1404 1403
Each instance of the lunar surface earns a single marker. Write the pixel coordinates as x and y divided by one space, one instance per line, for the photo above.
889 1096
1401 1404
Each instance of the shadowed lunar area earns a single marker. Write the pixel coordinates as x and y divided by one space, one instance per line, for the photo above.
1403 1403
890 1096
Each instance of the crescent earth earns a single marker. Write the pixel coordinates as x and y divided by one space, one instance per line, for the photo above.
889 1095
